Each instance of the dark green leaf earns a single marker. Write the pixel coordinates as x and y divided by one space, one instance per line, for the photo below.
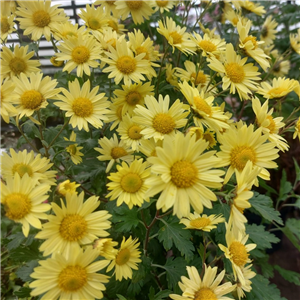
125 218
292 231
297 171
23 292
162 295
175 269
288 275
285 187
25 271
17 240
121 297
266 269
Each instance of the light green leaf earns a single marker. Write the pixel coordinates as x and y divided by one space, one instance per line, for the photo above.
288 275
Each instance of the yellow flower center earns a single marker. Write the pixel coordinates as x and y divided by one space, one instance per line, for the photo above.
22 169
200 79
73 227
238 253
162 3
209 137
134 5
17 65
142 49
264 32
17 206
82 107
72 149
72 278
163 123
80 54
69 186
240 155
123 257
133 98
94 24
117 152
134 132
235 72
272 125
183 174
252 39
277 92
205 294
4 25
200 222
131 182
41 18
177 38
126 64
234 21
207 46
31 99
202 105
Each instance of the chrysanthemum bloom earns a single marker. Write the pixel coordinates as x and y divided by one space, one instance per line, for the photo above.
171 76
184 175
132 95
128 184
8 98
204 112
74 149
268 30
139 10
208 288
159 119
109 6
148 147
164 5
130 132
126 259
83 105
297 130
7 20
74 224
281 67
250 6
21 163
237 75
67 187
13 63
33 92
269 124
295 41
63 31
106 248
234 17
176 36
55 62
23 201
241 143
237 252
70 278
38 17
114 150
279 88
202 222
248 274
123 65
108 37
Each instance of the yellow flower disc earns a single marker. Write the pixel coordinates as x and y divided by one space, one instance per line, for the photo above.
72 149
22 169
184 174
142 49
131 182
123 257
252 39
162 3
4 25
73 227
134 5
201 78
134 132
202 105
80 54
133 98
72 278
177 38
240 155
31 99
94 23
17 206
200 222
17 65
126 64
277 92
82 107
207 46
238 253
41 18
205 294
235 72
118 152
163 123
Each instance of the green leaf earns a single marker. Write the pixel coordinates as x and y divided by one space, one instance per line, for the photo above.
262 238
285 187
297 170
25 271
262 183
23 292
292 231
17 240
266 269
263 205
288 275
162 295
175 269
125 218
174 233
121 297
25 254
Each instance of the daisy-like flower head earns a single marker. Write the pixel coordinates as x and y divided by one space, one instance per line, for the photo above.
148 147
38 17
248 274
268 30
234 17
114 150
250 7
115 25
171 75
13 63
23 201
67 187
238 75
7 20
108 37
269 124
184 175
74 149
295 41
106 248
139 10
63 31
129 183
22 163
70 277
241 143
237 251
8 98
123 65
176 36
83 105
33 92
164 5
74 224
297 130
159 119
208 288
202 222
126 259
204 112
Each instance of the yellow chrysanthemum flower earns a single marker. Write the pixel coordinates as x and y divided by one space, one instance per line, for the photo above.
55 62
7 19
114 150
159 119
129 183
8 98
70 278
202 222
63 31
234 17
268 31
21 163
83 105
105 248
237 75
38 17
164 5
241 143
148 147
23 201
208 288
74 150
295 41
74 224
297 130
13 63
67 187
33 92
247 274
184 175
126 259
250 6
